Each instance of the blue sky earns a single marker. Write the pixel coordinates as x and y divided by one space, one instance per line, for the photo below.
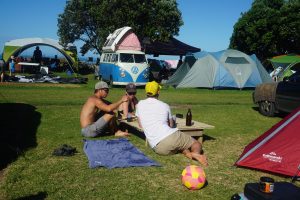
208 24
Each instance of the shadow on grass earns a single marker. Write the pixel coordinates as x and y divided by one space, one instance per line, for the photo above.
206 138
18 125
255 109
280 114
38 196
133 130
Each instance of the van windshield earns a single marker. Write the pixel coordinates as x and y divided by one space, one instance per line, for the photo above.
131 58
126 57
139 58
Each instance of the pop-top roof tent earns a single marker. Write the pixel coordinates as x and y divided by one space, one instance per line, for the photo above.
277 150
125 38
224 69
15 47
122 39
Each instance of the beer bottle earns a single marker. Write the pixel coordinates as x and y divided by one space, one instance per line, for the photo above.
188 118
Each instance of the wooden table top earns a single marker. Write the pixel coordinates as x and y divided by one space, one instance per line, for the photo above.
180 124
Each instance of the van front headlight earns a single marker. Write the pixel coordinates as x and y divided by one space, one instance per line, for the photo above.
122 73
146 73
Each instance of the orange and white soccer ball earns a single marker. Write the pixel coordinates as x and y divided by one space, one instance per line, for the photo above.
193 177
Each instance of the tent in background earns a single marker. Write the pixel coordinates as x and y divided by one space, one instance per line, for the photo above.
15 47
182 70
228 68
171 47
284 65
277 150
284 60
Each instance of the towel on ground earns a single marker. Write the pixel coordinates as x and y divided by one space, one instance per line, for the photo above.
115 153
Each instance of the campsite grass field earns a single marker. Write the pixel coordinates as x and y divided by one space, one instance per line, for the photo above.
37 174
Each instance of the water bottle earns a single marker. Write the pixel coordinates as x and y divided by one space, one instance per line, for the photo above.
188 118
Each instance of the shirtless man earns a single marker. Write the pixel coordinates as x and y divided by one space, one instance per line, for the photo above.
95 105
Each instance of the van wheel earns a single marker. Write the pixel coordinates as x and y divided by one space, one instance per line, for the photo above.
267 108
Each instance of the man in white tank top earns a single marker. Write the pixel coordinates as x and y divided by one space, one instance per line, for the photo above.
155 118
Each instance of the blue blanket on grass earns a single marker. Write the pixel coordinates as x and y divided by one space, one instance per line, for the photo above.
115 153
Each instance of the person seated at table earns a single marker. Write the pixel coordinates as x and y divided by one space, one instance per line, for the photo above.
127 109
154 116
97 115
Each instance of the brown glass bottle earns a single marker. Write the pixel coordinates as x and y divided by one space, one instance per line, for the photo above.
188 118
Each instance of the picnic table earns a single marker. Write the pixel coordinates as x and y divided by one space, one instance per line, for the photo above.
196 130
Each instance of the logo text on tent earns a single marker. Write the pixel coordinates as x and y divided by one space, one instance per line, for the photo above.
272 157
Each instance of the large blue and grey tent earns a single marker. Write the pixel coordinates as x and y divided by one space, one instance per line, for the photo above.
228 69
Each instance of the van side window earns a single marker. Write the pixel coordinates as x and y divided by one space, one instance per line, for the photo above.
109 58
105 58
114 58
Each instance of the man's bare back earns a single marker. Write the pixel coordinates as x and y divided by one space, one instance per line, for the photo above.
89 111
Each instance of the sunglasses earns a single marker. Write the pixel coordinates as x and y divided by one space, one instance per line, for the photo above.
131 93
106 90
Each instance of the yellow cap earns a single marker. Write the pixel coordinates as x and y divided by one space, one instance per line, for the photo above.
152 88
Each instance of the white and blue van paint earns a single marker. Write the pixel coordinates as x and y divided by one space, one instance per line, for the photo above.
122 66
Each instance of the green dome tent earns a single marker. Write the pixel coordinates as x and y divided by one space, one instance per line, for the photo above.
15 47
285 59
285 65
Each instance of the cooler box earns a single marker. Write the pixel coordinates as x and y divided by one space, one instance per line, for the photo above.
282 191
44 70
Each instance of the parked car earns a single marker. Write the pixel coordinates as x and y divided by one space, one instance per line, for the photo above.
283 96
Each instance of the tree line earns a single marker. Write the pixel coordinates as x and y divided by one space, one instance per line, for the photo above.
269 28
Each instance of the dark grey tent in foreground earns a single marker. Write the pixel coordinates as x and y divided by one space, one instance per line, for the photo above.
227 68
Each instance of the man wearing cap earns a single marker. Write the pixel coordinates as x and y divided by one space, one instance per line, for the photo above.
95 106
127 109
154 116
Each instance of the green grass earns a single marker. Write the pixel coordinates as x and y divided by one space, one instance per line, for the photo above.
38 173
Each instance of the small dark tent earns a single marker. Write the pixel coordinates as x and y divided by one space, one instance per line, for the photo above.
277 150
171 47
